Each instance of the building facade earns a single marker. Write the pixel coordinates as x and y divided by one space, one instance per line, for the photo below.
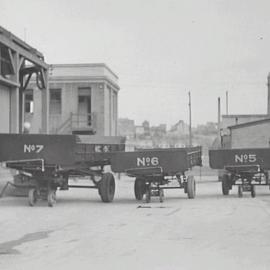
83 99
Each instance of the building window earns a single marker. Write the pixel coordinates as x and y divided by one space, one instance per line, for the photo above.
29 101
55 101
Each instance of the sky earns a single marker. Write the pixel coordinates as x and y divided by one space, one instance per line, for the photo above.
160 50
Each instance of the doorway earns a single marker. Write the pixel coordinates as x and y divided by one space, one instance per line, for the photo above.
84 107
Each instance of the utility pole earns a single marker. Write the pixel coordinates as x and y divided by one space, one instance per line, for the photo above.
219 116
227 103
190 132
24 34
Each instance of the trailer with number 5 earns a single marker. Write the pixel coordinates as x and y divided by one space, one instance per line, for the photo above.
245 168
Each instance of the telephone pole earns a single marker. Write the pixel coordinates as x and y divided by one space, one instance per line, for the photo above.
190 131
227 103
219 112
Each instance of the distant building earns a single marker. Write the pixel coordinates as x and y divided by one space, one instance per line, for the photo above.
139 131
126 127
209 128
158 131
83 100
143 144
146 127
253 134
180 128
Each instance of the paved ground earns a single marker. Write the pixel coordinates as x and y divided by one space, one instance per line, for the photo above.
209 232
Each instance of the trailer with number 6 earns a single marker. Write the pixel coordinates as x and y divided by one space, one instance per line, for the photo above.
245 168
155 169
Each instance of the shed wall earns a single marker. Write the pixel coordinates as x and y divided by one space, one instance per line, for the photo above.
251 136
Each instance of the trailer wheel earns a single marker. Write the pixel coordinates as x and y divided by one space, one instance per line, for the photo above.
161 195
191 187
106 187
225 184
51 198
32 196
185 188
148 195
139 188
253 191
240 191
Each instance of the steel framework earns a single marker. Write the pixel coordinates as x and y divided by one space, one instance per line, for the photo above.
18 63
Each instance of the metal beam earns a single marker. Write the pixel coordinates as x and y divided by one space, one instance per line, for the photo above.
8 82
27 81
0 62
21 62
44 80
26 54
11 56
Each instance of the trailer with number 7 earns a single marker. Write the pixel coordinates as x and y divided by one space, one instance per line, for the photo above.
47 162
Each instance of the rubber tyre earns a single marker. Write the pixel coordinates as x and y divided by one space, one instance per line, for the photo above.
148 195
106 187
185 188
32 197
191 187
51 198
139 188
225 185
253 191
161 195
240 191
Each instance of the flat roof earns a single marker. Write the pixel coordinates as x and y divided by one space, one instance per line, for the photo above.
242 115
78 65
82 72
252 123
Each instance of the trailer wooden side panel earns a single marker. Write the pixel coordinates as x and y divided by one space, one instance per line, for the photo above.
170 160
53 149
221 158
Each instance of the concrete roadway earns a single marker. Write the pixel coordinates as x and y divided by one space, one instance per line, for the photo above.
210 232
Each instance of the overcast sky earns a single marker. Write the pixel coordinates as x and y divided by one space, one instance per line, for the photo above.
160 49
